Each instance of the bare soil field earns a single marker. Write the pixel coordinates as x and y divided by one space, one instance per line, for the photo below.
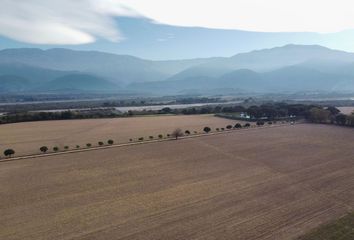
27 138
267 183
346 110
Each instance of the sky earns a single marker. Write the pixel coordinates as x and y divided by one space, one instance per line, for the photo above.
45 23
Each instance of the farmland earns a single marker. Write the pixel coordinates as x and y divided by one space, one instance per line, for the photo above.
27 138
346 110
266 183
342 229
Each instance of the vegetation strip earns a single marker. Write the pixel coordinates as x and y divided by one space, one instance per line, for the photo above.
135 143
342 229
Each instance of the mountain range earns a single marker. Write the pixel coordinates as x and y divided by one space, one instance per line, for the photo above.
290 68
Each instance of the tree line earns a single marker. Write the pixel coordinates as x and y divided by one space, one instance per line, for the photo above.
176 134
268 112
330 115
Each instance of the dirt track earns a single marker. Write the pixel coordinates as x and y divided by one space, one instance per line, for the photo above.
273 183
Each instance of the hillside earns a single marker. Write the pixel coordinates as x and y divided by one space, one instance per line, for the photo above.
79 82
117 68
289 68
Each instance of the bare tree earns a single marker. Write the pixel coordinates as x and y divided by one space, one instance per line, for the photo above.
177 133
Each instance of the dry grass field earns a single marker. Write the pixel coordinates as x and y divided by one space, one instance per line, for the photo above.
27 138
268 183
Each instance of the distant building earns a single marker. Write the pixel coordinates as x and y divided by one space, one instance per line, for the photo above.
245 115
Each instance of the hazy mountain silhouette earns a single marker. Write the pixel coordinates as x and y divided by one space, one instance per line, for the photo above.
287 68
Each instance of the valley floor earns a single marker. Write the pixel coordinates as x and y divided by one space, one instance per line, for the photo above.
271 183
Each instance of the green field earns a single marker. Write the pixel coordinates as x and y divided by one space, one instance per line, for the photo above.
342 229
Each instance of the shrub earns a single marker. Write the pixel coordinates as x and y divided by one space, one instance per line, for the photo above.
260 123
151 137
238 125
55 149
141 139
100 143
222 129
88 145
43 149
160 136
187 132
130 140
66 147
77 146
9 152
195 132
207 129
247 125
228 127
168 135
217 129
110 141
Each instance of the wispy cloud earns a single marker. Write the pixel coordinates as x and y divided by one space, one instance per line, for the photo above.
168 37
61 22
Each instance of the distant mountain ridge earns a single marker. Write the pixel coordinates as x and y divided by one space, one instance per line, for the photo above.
287 68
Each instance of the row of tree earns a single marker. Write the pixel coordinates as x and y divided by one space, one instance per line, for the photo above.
175 134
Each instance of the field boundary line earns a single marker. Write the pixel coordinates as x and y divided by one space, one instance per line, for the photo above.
139 143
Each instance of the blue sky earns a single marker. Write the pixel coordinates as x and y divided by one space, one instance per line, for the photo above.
158 29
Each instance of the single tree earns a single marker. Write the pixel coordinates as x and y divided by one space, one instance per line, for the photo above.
110 141
55 149
260 123
100 143
238 125
247 125
333 110
9 152
207 129
43 149
177 133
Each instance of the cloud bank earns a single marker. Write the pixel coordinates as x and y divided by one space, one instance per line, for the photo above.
84 21
61 21
321 16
